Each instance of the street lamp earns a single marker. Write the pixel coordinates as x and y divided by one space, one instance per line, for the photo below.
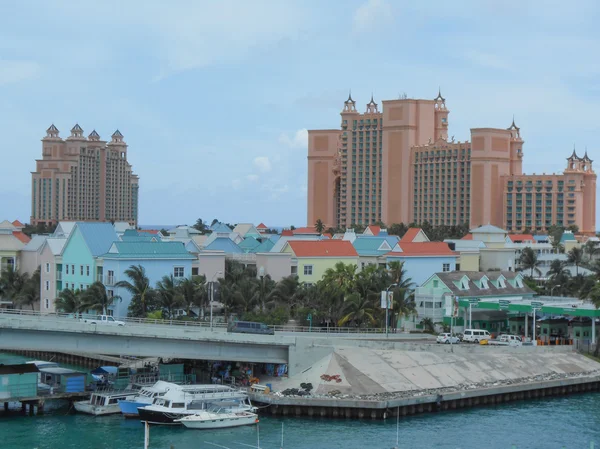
212 296
387 306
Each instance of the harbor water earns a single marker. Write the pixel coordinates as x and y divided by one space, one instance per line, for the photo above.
570 422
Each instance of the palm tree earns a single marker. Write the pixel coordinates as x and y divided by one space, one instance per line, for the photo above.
13 283
96 298
266 285
319 226
594 296
142 294
428 325
398 275
30 294
241 297
575 256
358 309
69 301
193 292
529 261
168 294
403 305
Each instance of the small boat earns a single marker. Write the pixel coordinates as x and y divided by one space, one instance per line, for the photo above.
104 403
219 418
129 407
182 401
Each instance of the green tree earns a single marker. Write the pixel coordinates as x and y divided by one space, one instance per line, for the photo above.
96 298
69 301
558 274
403 305
428 325
319 226
13 284
200 225
357 309
143 297
30 294
168 295
575 256
193 292
529 261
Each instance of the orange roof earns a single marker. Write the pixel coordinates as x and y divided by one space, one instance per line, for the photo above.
305 230
375 230
468 237
322 248
22 237
287 233
327 234
261 226
18 224
410 235
423 249
521 237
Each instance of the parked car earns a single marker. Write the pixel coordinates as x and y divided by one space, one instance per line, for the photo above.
476 335
506 340
104 319
249 327
447 338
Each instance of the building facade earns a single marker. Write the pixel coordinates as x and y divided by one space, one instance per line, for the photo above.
399 166
83 179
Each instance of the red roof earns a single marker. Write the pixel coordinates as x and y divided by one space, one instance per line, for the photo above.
22 237
521 237
410 235
261 226
305 230
423 249
468 237
327 234
322 248
18 224
375 230
287 233
149 231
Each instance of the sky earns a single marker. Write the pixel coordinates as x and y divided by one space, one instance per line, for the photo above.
214 97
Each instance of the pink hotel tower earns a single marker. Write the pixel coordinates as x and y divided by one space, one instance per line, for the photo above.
398 166
83 179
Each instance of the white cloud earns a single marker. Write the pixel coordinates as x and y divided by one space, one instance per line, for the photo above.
262 164
371 15
298 140
252 178
12 71
236 184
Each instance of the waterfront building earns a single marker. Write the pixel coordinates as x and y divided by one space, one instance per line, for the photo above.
399 166
315 257
442 298
12 241
83 179
81 257
157 258
51 281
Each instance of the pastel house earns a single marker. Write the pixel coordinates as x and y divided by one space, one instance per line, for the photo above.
157 258
422 259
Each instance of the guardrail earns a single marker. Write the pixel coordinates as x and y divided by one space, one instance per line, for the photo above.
216 325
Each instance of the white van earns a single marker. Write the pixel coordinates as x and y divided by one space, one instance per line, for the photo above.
476 335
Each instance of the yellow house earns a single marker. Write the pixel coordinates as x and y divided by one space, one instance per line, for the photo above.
316 256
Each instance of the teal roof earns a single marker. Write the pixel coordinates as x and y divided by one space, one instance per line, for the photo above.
131 235
148 250
370 246
224 244
248 244
221 227
264 247
567 237
98 236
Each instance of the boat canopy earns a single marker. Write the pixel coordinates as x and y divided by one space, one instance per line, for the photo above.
105 370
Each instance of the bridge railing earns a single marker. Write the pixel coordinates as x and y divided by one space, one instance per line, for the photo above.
216 325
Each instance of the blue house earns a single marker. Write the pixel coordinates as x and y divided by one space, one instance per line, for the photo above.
81 265
157 258
224 244
423 259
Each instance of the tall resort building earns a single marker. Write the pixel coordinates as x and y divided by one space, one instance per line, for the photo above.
83 179
399 166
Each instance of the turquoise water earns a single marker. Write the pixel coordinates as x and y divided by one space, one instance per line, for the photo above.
571 422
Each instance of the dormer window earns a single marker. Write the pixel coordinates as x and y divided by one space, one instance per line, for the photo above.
518 283
484 284
501 283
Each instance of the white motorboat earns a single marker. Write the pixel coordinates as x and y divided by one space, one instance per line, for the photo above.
219 418
104 403
185 400
129 407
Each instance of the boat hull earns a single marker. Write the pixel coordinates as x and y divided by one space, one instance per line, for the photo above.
129 409
96 410
160 417
220 423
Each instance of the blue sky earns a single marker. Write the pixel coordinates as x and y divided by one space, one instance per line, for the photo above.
214 97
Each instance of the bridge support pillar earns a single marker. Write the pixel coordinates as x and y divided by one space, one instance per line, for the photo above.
6 406
40 408
23 408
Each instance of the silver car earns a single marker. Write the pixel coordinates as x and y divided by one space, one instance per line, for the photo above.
447 338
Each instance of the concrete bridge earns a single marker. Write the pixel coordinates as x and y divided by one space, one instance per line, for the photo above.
34 331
